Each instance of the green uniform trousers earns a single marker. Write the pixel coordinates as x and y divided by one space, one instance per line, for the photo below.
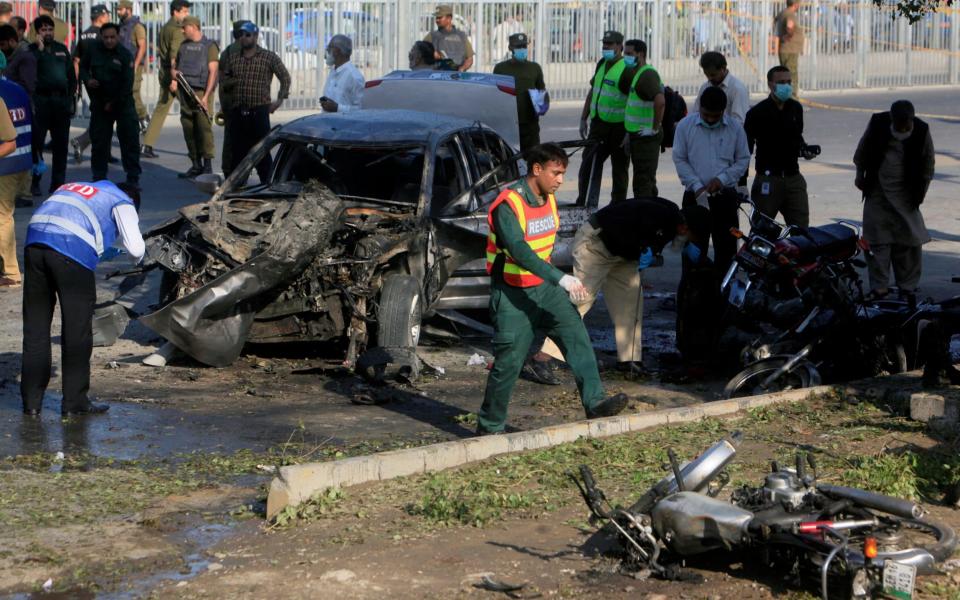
791 61
197 128
124 114
529 135
517 314
137 100
160 112
645 157
785 195
609 144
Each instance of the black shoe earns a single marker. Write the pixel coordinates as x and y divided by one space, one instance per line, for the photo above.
539 372
192 172
207 167
147 152
31 412
633 369
113 160
24 202
89 409
482 432
613 405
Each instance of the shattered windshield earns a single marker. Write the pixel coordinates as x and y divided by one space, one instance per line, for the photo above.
389 174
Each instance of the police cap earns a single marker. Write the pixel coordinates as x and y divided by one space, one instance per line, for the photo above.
518 40
125 4
48 4
97 10
444 10
190 20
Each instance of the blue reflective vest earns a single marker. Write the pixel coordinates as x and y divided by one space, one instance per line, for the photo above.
18 104
77 220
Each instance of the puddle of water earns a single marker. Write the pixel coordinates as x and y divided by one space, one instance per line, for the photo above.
199 539
127 432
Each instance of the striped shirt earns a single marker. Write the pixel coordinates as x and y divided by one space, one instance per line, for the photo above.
253 76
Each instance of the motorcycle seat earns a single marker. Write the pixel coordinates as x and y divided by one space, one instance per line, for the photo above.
834 241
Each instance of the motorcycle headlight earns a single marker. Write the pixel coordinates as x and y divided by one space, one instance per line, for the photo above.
761 248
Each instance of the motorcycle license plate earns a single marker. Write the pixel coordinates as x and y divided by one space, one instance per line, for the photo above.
898 579
754 261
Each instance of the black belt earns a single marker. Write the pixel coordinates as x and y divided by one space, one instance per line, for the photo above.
594 221
246 112
779 172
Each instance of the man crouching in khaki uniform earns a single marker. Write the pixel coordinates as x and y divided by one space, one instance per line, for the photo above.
610 251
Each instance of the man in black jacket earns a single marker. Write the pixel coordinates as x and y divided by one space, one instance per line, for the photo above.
610 252
895 162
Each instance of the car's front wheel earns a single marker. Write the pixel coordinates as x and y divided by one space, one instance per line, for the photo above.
401 309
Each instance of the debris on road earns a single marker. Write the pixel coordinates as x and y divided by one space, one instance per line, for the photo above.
476 359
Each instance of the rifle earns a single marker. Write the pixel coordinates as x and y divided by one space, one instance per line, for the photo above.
192 95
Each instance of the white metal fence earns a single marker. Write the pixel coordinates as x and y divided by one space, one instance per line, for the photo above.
849 44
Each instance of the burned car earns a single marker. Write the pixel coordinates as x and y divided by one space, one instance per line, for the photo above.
369 221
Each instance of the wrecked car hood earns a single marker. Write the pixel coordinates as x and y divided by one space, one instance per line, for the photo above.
272 242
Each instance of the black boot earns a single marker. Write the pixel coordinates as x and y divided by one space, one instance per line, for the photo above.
193 171
207 167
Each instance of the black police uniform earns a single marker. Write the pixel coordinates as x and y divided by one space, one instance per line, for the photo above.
54 104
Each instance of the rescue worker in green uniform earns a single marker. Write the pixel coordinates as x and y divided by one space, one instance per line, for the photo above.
227 85
643 119
527 75
528 294
171 36
54 102
603 114
106 69
197 59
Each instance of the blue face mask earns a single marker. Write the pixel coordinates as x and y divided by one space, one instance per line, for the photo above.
711 125
783 91
520 54
609 54
629 60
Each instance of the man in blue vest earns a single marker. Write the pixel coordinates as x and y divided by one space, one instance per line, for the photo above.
15 165
67 236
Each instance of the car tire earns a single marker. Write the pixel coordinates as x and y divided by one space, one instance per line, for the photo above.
401 308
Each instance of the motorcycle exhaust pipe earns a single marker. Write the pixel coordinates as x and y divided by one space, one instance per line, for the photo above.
887 504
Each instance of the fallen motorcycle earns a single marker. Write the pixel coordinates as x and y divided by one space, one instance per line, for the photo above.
851 542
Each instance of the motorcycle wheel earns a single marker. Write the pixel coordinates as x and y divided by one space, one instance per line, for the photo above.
749 382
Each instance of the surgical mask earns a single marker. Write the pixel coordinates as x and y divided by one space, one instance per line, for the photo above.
609 54
679 241
520 54
900 136
711 125
629 60
328 58
3 60
782 91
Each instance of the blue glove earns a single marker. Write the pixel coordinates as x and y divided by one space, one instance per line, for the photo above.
110 253
39 168
646 259
692 251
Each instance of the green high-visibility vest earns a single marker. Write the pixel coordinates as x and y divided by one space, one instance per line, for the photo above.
608 101
639 113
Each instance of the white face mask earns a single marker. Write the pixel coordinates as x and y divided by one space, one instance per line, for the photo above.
900 136
679 241
328 58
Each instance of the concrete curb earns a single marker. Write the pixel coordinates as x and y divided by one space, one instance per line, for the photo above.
296 483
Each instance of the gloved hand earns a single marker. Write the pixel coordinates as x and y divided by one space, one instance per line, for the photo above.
584 129
110 253
575 288
646 259
692 252
39 168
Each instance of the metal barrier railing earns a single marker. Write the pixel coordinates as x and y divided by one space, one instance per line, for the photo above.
849 44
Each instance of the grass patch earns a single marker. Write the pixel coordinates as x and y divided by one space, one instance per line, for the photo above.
322 504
